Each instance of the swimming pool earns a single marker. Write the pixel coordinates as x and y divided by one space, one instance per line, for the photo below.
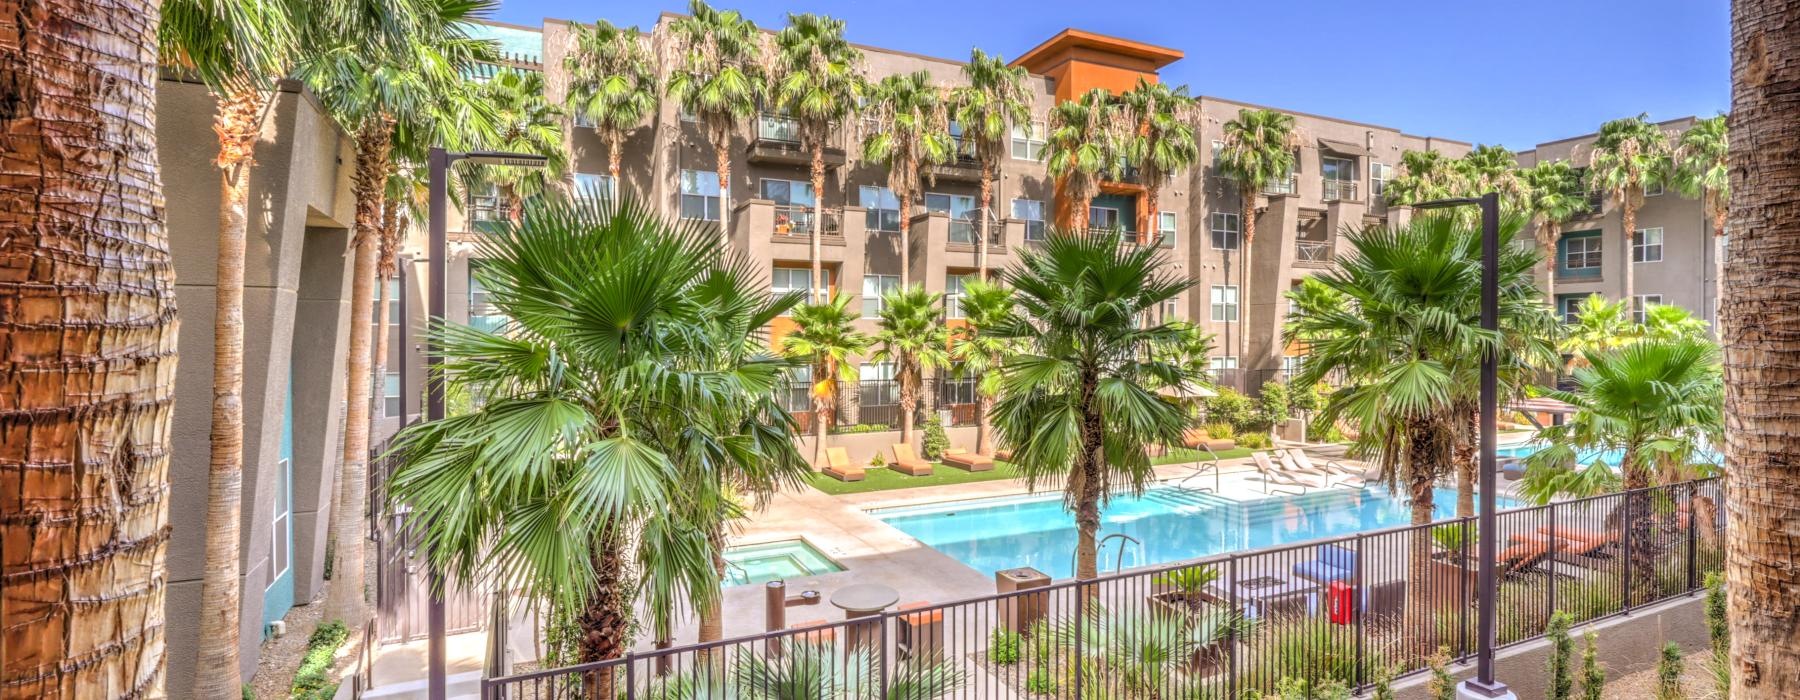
761 563
1171 523
1611 457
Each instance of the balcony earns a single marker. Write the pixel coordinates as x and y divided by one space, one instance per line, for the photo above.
1287 186
962 167
962 233
1340 190
1312 253
777 142
794 222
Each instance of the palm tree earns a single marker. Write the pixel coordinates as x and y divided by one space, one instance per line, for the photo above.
1491 168
1077 404
523 122
911 129
911 334
1701 171
371 82
1084 146
981 352
825 336
987 108
1258 149
1599 325
716 74
91 331
239 48
807 670
1400 320
612 82
1629 155
612 398
818 82
1757 313
1553 195
1423 177
1161 142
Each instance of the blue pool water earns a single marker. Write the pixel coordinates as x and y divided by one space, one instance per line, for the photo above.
1172 523
1611 457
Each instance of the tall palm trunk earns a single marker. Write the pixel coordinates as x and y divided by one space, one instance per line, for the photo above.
1628 219
722 157
217 673
1467 458
981 242
1758 309
87 308
344 600
984 425
904 195
1151 197
1429 443
1246 223
1639 516
818 223
712 611
1552 231
615 143
1091 486
824 406
604 622
909 399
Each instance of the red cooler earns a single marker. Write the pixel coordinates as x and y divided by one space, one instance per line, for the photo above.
1341 599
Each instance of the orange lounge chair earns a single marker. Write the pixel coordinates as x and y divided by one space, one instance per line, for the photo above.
839 467
968 460
1003 455
907 462
1584 542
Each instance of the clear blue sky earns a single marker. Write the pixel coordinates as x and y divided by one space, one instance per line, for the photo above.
1516 72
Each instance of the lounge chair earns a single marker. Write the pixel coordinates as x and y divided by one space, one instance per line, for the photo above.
1311 479
907 462
1003 455
1305 462
1584 542
838 465
1273 478
970 461
1296 460
1329 563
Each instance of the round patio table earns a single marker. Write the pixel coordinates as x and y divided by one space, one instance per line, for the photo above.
864 599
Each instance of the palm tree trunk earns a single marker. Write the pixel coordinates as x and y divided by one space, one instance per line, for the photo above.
984 425
722 156
904 195
1422 592
1628 219
824 406
712 610
1151 197
88 293
1466 456
605 619
1085 479
1246 223
818 223
217 672
614 144
1639 519
344 600
981 244
1553 231
909 402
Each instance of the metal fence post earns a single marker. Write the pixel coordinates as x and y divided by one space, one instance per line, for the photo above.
1231 669
1080 627
1462 587
1693 541
881 642
1357 611
630 677
1556 565
1630 525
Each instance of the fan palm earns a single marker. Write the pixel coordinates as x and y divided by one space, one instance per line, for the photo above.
1700 172
987 108
1491 168
1553 195
1138 653
1161 141
370 81
1425 176
716 74
1629 155
818 82
239 48
627 385
910 129
911 334
1401 323
1077 403
1258 149
1085 144
980 352
1668 322
825 337
806 670
1599 325
523 122
612 82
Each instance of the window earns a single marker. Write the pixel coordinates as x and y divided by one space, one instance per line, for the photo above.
1031 211
583 121
1290 366
793 205
589 185
393 308
957 386
1104 218
1028 140
1165 228
1225 302
482 312
700 195
875 287
1217 146
1338 169
390 394
877 386
1641 302
795 394
1378 177
953 292
485 203
1582 253
1224 231
883 208
1654 189
1647 245
1171 308
1220 364
1568 306
786 280
961 208
282 533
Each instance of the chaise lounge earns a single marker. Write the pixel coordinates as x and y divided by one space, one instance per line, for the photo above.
907 462
838 465
967 460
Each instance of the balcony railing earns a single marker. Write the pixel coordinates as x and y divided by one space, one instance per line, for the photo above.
963 232
1316 252
775 127
796 221
1340 190
1289 185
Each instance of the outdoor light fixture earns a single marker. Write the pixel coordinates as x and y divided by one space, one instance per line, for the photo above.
1483 686
438 162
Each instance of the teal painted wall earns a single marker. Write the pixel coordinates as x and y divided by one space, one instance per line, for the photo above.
280 595
1127 206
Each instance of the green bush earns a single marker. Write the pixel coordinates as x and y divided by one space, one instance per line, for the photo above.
878 460
1562 681
1718 629
1254 441
1220 431
1440 686
1384 684
1040 682
1040 642
862 428
1669 667
1272 407
1308 401
1229 407
1593 678
1003 647
313 679
935 440
1303 647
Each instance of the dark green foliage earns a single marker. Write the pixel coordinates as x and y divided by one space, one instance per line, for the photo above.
1272 407
1562 649
1229 407
1041 682
1593 678
312 681
1717 627
1669 667
1003 647
1254 441
936 441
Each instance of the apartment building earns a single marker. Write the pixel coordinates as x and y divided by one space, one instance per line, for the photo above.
1337 184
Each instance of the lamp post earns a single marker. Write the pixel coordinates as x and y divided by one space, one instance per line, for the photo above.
1483 686
438 161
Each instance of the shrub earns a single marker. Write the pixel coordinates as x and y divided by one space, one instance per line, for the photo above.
878 460
1593 678
312 681
1272 407
1717 628
1309 401
1040 642
935 441
1040 682
1220 431
1562 682
862 428
1384 684
1254 441
1302 647
1440 686
1003 647
1229 407
1669 667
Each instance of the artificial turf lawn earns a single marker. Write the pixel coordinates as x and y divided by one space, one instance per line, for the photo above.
884 479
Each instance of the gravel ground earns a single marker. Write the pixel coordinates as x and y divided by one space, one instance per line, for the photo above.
1696 681
280 657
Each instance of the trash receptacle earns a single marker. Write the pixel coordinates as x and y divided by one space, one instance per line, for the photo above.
1017 613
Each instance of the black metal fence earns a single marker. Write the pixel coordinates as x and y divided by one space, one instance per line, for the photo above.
1342 611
